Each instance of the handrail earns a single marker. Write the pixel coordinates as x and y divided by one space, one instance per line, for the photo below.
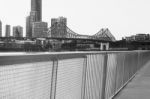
64 75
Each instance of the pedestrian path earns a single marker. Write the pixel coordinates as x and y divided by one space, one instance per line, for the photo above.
139 87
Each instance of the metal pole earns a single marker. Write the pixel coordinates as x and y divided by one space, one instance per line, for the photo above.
104 76
54 79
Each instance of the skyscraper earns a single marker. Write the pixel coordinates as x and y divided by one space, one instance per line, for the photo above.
58 27
39 29
0 29
35 16
28 27
7 31
36 9
17 31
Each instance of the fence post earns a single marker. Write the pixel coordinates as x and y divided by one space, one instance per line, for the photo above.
84 78
104 75
139 61
54 79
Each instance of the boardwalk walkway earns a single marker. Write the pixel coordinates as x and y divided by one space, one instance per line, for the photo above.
139 87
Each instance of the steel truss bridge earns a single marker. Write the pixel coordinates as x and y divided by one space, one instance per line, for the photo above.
103 35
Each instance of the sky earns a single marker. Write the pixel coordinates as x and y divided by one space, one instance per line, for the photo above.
87 17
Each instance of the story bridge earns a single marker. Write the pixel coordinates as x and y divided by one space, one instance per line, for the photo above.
65 33
103 35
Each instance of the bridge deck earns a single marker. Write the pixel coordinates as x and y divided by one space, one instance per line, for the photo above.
139 87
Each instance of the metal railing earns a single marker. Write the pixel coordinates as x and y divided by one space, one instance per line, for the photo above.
74 75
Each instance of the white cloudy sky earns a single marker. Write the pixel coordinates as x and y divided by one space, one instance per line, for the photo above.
122 17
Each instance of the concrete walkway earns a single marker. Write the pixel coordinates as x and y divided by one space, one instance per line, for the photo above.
139 87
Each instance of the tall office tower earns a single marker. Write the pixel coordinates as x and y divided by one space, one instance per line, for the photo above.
0 29
28 27
58 27
36 9
7 31
17 31
39 29
35 16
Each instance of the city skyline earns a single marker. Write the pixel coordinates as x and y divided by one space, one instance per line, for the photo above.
123 18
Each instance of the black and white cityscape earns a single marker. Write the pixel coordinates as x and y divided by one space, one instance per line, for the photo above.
59 37
52 61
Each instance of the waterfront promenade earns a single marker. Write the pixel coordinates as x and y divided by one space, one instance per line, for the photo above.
69 75
139 87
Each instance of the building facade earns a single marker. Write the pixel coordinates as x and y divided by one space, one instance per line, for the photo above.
0 28
138 37
28 27
35 16
39 29
59 27
17 31
7 31
36 9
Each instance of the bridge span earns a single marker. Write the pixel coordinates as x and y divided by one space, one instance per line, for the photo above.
68 75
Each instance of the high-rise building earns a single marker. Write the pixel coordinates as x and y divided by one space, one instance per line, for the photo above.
36 9
7 31
39 29
17 31
28 27
58 27
0 29
35 16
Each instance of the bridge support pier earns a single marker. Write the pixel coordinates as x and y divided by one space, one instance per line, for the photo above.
104 46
